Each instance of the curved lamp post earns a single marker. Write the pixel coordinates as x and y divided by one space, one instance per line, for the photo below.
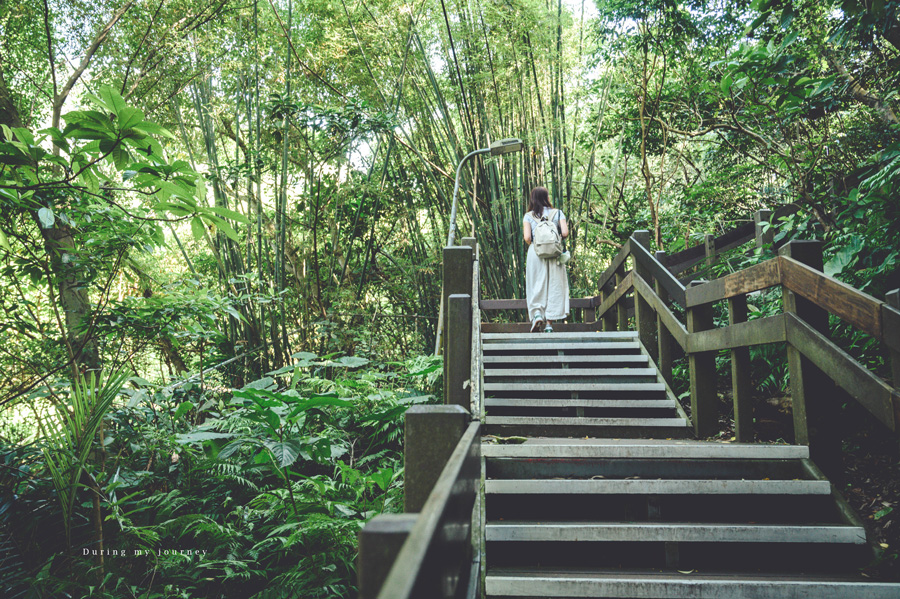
503 146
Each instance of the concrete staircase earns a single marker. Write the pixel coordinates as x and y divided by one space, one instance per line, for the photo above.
576 384
632 509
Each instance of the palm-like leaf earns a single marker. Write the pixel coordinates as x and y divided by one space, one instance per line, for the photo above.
70 435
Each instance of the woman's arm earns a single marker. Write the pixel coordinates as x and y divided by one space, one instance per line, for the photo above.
563 227
527 229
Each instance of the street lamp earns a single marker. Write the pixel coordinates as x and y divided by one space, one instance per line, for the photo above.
503 146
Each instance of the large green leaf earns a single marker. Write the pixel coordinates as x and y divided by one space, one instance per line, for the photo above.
285 452
128 117
198 436
111 99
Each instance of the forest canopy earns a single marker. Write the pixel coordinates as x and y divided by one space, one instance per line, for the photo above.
221 226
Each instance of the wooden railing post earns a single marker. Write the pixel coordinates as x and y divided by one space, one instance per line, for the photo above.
702 366
457 279
763 238
379 543
709 243
813 394
430 436
740 375
621 308
590 314
665 339
458 355
644 318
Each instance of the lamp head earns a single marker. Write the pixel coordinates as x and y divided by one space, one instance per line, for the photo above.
505 146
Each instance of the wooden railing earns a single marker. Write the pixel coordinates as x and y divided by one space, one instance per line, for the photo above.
816 364
434 549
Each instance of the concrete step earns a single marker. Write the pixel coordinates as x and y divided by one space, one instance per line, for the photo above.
525 402
571 372
650 388
560 346
683 532
622 427
643 449
569 336
574 361
631 468
514 582
656 487
556 378
788 510
551 421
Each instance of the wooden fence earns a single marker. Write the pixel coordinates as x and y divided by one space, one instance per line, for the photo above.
647 292
434 549
814 361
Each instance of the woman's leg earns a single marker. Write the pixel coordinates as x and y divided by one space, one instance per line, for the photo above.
537 286
557 306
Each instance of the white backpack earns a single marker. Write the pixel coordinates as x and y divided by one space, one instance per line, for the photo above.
546 238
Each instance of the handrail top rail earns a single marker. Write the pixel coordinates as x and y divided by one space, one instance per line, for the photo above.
402 578
615 264
659 272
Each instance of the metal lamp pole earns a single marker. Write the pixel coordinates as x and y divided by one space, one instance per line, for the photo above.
503 146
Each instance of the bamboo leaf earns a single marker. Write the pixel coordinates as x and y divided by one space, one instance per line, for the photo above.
197 228
225 212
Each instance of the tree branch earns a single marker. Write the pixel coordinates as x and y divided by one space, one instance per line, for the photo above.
60 98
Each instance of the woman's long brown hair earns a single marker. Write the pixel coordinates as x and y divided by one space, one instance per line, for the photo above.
540 199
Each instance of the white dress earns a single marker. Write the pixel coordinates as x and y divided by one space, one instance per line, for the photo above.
546 284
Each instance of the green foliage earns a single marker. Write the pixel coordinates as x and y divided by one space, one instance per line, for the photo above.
229 492
70 437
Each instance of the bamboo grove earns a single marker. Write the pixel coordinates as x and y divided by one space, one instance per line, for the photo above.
326 136
334 130
221 226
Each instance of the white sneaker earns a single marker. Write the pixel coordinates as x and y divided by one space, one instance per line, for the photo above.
536 324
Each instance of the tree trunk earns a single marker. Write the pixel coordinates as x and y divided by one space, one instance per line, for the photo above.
59 245
861 94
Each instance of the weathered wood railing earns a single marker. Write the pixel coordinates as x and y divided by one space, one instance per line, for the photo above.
433 549
816 364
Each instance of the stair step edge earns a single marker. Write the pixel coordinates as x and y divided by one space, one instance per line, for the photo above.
653 486
674 532
667 586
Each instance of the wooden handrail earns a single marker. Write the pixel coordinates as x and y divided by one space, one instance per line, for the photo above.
874 394
847 303
616 263
754 278
427 560
476 395
667 318
659 272
858 309
686 258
